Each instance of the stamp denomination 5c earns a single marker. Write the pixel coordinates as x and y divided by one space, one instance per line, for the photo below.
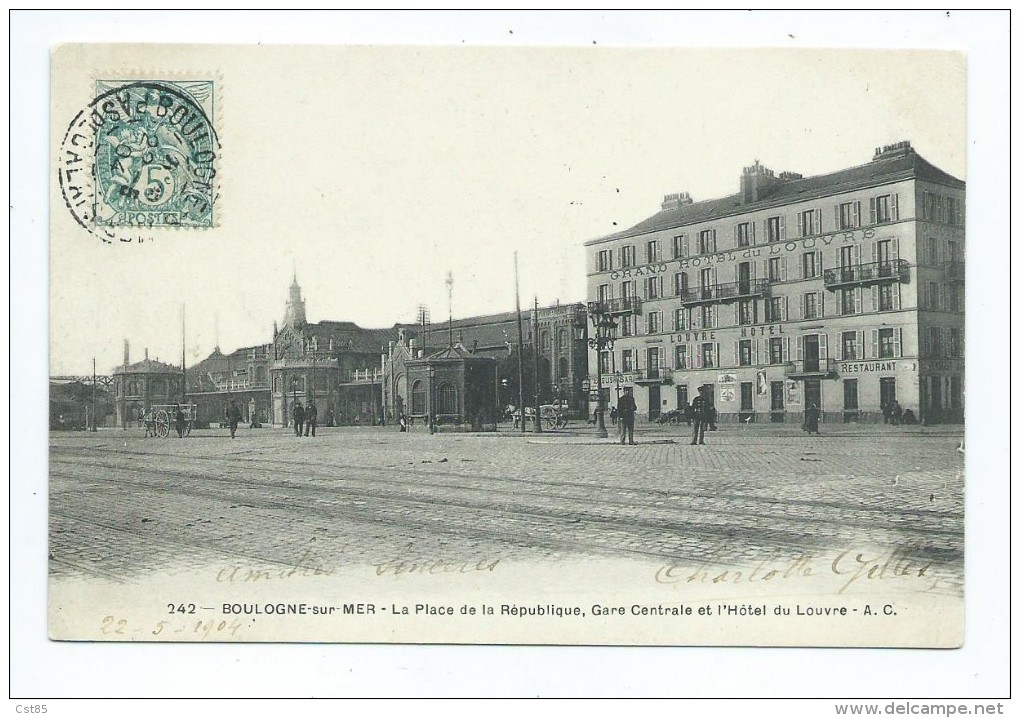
142 154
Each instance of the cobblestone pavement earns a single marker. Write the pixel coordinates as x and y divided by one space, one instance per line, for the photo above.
121 505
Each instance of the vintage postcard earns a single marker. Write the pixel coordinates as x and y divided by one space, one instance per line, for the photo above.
509 345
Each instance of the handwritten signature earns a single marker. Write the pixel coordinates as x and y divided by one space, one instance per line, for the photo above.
402 564
851 565
306 565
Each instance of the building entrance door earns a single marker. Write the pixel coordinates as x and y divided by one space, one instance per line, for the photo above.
654 402
777 403
812 393
810 352
886 391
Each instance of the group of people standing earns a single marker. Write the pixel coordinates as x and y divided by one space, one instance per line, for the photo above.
701 414
305 420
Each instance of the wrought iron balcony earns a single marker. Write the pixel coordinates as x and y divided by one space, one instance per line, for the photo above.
870 273
729 292
955 271
624 305
811 369
657 375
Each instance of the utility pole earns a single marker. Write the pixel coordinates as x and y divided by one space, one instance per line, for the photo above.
449 300
534 341
520 347
184 375
94 427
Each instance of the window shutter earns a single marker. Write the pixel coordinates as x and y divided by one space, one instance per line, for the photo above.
859 344
874 298
736 353
857 214
894 206
736 235
803 305
874 252
839 347
874 344
857 253
754 352
684 245
818 218
718 356
823 346
803 264
736 314
858 302
836 225
818 263
897 342
800 348
697 356
786 348
785 312
801 224
782 269
782 226
894 249
872 202
753 240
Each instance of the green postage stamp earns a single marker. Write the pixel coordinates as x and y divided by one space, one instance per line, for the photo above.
154 152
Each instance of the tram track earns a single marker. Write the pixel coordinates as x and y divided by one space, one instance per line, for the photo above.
738 506
392 508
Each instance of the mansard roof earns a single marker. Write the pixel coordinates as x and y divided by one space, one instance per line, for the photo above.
884 170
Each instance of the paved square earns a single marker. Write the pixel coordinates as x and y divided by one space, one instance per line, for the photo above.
122 506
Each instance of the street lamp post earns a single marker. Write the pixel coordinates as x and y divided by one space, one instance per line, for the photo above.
431 407
601 316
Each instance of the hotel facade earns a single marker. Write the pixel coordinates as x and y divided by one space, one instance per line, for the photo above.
844 290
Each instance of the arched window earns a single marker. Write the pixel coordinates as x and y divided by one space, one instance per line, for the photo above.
133 389
448 399
418 398
564 368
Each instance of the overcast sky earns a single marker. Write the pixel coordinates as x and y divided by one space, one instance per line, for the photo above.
374 172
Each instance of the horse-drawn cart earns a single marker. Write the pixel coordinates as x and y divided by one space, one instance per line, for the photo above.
162 417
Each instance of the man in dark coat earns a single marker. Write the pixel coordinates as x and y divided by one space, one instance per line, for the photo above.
311 418
626 407
299 418
701 409
233 417
811 414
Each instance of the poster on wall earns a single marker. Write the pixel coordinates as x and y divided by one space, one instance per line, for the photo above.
792 392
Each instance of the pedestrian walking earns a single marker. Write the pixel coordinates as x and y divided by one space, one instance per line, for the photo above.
886 413
700 409
613 414
180 423
811 414
403 421
299 418
253 414
626 407
233 417
311 418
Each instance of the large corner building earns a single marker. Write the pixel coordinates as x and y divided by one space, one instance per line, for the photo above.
843 290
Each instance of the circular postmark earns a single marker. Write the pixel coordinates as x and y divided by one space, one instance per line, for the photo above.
142 154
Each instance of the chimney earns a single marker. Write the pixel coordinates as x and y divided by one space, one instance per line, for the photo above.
897 149
127 353
756 183
146 353
676 200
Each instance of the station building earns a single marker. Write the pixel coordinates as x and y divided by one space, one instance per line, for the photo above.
843 290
